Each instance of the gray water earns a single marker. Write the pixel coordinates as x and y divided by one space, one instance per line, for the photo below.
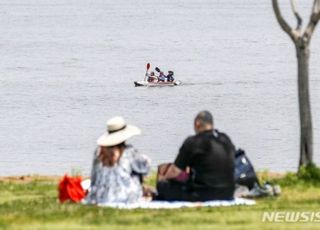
68 65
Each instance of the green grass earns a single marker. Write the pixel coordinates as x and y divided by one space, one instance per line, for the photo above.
34 205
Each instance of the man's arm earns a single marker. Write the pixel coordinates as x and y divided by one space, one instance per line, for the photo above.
185 153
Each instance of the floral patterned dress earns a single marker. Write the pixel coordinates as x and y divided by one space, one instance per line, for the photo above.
119 183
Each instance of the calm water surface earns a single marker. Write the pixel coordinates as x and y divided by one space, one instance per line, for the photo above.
69 65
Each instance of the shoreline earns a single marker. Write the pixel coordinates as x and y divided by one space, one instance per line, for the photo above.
32 177
29 178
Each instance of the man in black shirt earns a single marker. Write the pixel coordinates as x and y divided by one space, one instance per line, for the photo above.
209 156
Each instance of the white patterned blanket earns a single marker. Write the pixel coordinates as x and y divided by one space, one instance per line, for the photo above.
179 204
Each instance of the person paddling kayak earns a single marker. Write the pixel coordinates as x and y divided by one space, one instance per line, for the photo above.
170 76
152 77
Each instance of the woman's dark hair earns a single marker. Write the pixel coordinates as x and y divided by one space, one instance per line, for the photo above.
121 145
108 157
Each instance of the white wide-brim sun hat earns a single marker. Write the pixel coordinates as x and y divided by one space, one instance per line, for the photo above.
118 131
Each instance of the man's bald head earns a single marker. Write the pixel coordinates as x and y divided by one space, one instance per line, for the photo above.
203 121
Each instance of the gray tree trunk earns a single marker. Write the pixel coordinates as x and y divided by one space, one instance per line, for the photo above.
306 147
302 40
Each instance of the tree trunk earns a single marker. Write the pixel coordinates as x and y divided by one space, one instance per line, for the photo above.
302 40
306 147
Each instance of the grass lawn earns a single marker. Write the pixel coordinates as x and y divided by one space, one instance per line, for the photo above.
32 204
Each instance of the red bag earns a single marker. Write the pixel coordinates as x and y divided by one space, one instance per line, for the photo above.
70 189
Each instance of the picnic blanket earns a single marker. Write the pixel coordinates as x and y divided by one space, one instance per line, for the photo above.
179 204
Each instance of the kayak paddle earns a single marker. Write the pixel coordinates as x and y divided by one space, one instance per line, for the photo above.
148 67
157 69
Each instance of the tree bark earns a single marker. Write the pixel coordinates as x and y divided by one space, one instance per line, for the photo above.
306 145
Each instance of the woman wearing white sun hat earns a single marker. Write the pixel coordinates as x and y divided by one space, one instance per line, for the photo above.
117 167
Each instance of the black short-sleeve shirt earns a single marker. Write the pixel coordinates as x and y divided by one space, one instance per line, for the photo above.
210 155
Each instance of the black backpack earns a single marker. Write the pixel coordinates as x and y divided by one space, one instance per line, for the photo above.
244 172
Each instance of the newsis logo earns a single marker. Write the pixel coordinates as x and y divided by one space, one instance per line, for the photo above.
291 217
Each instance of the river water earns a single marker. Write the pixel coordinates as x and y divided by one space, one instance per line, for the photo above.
68 65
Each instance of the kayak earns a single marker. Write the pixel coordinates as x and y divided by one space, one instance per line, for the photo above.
151 84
